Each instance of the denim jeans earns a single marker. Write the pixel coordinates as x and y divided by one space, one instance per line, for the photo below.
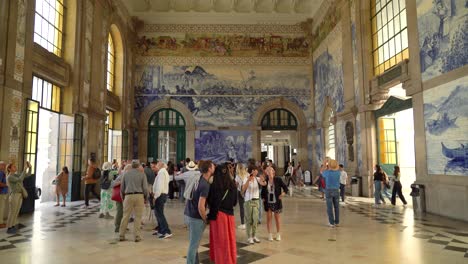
240 198
159 213
377 191
195 227
342 191
333 202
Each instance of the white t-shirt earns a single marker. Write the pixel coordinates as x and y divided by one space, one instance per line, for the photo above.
343 177
253 191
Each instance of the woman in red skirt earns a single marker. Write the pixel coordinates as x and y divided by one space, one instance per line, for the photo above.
222 199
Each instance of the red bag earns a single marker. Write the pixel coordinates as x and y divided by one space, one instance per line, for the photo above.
322 182
116 194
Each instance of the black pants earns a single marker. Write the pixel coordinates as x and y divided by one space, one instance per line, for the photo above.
397 190
172 189
90 188
241 206
290 179
342 191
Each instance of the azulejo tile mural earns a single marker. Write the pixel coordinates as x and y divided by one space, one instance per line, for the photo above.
443 36
223 145
221 95
328 73
446 119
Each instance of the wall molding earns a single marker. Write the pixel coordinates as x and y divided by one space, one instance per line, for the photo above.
142 60
223 28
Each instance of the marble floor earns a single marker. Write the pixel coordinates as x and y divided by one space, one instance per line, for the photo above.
366 235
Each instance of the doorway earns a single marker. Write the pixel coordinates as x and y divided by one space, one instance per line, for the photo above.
395 137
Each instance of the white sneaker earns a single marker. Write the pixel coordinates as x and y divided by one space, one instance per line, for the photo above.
278 237
270 237
330 225
241 227
250 241
256 240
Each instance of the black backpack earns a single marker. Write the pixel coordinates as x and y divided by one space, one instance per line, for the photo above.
105 181
97 174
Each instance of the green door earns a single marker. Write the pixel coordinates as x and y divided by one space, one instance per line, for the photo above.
166 136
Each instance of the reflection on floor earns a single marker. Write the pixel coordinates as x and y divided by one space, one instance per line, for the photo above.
366 235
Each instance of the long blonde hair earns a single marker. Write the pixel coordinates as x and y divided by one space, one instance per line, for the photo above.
241 171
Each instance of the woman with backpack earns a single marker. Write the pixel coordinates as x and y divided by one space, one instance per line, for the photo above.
106 191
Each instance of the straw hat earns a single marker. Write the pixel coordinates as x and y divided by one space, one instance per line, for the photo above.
333 164
106 166
191 166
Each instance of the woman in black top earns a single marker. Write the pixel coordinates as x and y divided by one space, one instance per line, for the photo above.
379 177
222 199
272 193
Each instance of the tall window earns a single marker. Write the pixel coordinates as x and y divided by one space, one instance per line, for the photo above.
330 137
47 94
107 129
110 64
389 34
48 25
387 141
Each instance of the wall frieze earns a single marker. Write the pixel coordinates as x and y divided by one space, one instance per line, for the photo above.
223 28
223 61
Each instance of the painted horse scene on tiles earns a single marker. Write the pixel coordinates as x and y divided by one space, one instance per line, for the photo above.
446 118
443 36
221 96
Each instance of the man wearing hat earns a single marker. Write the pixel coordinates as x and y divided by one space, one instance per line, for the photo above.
3 193
134 190
190 170
332 190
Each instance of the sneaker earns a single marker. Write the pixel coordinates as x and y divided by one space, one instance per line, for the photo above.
250 241
137 239
404 205
101 215
156 234
270 237
117 229
330 225
278 237
108 216
337 225
122 238
12 230
168 235
256 240
241 227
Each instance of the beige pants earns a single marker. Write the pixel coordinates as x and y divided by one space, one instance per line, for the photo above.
15 201
3 201
136 203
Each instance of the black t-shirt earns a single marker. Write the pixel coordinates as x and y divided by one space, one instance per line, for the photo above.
378 176
217 203
191 208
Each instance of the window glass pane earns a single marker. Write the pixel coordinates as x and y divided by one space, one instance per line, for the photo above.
48 25
404 39
403 19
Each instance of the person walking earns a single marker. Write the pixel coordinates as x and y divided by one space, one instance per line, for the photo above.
90 182
117 197
222 199
241 174
134 190
3 193
397 187
160 190
17 194
195 210
251 190
343 181
379 177
61 186
272 195
289 174
332 191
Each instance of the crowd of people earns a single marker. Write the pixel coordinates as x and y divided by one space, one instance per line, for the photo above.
210 192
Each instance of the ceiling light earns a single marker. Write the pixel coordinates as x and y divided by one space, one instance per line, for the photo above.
268 136
276 131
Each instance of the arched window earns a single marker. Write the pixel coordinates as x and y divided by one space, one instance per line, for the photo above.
110 80
279 119
48 25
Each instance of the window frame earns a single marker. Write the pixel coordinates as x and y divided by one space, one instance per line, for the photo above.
57 26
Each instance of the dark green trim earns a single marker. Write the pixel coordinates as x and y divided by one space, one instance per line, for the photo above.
393 105
269 124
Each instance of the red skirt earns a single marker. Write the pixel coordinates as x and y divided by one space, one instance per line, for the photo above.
223 239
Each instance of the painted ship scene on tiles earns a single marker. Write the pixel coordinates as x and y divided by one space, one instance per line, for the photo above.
446 120
221 96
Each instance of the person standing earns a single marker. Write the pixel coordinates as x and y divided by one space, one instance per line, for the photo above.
241 174
160 190
17 194
195 210
343 181
379 177
251 190
3 193
222 199
397 187
134 190
332 191
106 191
90 182
61 187
272 194
289 174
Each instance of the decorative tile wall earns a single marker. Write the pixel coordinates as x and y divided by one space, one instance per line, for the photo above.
446 124
223 145
443 36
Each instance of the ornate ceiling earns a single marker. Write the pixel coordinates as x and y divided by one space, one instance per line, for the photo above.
222 11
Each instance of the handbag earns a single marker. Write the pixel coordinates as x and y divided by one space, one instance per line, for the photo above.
116 194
